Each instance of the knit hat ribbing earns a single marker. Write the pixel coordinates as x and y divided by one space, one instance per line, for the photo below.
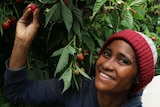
145 52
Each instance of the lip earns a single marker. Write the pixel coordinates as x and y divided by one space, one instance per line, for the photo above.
105 76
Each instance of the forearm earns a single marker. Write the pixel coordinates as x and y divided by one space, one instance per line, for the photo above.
17 88
19 54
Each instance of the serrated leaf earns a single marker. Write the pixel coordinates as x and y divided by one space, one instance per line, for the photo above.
128 19
64 57
78 82
57 16
77 23
82 73
58 52
48 1
78 14
137 2
66 77
71 50
89 42
49 14
63 61
98 4
54 14
140 13
114 19
67 16
76 28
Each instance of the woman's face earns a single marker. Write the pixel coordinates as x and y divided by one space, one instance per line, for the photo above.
116 68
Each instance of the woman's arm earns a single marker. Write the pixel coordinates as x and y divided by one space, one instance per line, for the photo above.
26 29
19 89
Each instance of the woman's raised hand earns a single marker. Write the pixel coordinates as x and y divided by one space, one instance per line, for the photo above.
26 29
28 24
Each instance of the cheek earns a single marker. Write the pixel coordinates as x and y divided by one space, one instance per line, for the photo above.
100 60
129 72
127 78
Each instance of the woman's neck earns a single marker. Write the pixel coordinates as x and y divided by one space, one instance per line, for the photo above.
110 100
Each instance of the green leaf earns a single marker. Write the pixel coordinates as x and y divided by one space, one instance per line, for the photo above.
57 16
98 4
66 77
63 60
89 42
67 16
48 1
114 19
140 13
78 82
77 23
53 14
58 52
128 19
100 42
76 28
137 2
71 50
78 14
82 73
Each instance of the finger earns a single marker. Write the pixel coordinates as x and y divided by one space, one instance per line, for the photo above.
26 14
36 16
28 6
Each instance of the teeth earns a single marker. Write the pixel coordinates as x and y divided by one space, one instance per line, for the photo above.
105 76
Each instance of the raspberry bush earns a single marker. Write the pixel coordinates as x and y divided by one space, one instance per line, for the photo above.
70 27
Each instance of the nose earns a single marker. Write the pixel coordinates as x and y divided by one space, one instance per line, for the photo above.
108 65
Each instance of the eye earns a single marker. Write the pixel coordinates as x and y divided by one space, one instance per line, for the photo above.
124 61
107 53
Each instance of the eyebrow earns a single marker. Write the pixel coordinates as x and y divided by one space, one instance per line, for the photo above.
128 59
123 55
108 49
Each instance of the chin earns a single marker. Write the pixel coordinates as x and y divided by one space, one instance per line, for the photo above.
100 85
103 84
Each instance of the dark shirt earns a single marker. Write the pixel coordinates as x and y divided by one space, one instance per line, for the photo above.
19 89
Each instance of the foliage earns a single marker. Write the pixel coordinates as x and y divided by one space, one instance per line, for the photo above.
70 27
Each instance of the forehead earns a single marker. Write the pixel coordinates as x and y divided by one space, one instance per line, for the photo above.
121 46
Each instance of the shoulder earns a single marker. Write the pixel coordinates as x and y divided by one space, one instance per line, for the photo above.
134 100
88 82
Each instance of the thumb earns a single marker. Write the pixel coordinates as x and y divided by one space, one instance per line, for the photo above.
26 14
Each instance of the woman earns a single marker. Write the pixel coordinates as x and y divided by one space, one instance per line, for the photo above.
124 67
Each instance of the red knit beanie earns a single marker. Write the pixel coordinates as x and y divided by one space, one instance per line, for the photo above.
145 52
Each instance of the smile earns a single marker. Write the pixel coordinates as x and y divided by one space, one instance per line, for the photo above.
105 76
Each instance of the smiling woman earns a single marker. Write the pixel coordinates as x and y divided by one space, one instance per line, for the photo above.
116 68
124 67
